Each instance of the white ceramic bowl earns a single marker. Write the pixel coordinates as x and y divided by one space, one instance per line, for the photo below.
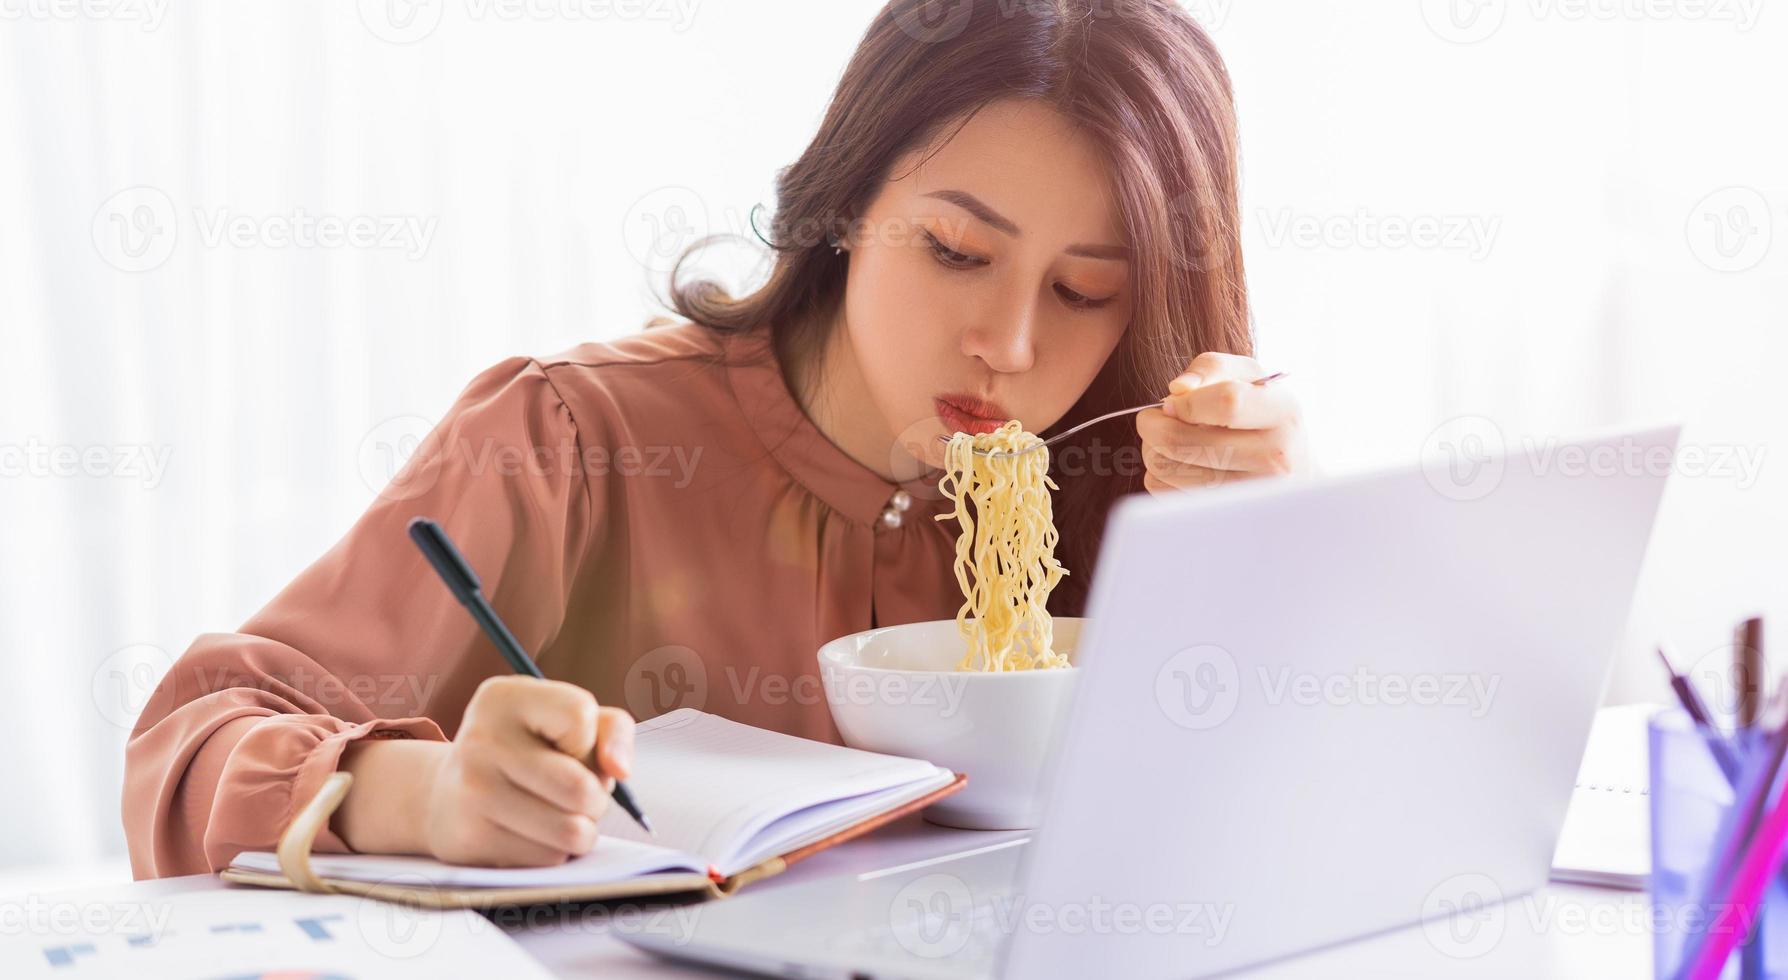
896 689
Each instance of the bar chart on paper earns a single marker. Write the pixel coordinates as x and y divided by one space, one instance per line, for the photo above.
247 934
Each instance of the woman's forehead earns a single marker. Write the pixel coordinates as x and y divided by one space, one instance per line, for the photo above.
1026 161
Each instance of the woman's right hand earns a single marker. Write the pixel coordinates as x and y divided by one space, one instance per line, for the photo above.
511 790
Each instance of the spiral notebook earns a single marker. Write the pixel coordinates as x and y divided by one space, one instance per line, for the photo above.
1606 839
731 804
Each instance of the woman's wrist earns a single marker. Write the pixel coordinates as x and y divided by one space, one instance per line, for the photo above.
385 811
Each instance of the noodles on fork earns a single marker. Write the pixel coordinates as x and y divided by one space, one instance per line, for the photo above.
1005 554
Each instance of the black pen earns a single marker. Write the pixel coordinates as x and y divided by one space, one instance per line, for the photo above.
1703 719
463 583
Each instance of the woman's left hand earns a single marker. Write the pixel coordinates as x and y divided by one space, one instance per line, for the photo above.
1217 426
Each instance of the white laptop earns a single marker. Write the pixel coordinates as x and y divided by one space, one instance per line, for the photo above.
1309 712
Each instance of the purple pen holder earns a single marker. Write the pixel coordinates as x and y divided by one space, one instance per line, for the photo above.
1694 809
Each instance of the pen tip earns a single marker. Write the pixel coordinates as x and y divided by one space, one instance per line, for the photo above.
1665 657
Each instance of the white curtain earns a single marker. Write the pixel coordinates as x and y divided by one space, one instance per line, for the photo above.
249 252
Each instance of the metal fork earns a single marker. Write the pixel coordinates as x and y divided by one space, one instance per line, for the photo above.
1058 437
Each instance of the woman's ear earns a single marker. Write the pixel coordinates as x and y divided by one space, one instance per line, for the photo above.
842 235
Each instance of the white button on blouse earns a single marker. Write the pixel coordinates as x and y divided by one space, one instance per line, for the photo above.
897 507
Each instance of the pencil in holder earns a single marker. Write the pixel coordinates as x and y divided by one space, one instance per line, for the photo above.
1709 793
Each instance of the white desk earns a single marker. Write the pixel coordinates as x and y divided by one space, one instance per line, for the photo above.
1562 931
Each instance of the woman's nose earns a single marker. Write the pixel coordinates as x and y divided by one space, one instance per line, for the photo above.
1005 341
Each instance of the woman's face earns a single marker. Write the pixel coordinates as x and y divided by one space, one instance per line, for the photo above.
988 284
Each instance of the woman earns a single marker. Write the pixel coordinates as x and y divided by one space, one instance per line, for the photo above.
1010 211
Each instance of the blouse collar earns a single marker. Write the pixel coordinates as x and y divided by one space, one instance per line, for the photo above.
813 459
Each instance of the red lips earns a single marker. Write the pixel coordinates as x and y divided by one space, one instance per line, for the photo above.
970 413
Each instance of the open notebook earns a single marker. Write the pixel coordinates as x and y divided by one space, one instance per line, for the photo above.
1606 838
730 803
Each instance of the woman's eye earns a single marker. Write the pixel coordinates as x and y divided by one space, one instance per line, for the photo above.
1079 302
950 257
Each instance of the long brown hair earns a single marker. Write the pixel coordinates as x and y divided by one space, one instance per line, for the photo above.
1145 82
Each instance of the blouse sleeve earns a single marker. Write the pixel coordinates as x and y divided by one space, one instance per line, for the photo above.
367 642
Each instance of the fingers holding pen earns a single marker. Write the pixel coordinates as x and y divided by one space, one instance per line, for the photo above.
517 786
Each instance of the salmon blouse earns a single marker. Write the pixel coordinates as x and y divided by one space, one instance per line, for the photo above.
655 518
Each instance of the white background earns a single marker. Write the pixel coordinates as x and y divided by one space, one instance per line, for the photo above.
1610 181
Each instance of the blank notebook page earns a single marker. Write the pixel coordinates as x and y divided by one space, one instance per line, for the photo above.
710 786
1606 838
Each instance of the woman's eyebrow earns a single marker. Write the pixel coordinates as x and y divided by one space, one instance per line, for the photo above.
977 207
